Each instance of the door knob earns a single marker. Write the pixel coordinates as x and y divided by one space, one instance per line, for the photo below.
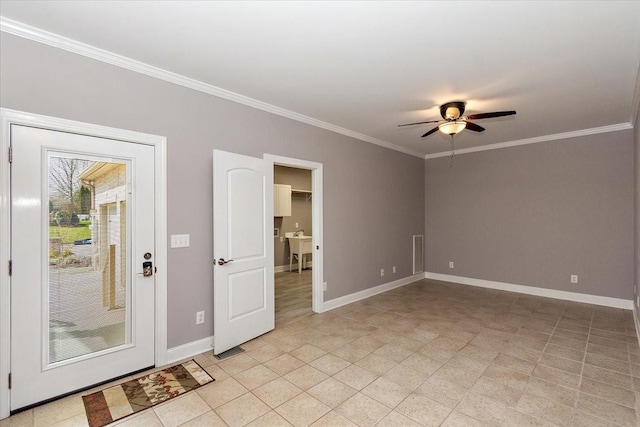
221 261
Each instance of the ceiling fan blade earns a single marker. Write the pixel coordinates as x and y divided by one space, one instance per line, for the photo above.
490 115
474 127
419 123
435 129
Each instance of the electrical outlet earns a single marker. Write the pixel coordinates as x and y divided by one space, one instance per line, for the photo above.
450 264
381 272
199 317
324 286
574 278
394 269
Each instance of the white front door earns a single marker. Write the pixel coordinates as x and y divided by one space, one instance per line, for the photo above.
243 288
82 211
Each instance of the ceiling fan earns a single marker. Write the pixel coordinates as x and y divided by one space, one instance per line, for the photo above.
454 121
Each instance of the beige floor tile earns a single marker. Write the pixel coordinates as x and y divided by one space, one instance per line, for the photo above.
394 419
58 410
255 377
564 352
216 372
208 419
307 353
237 364
368 343
330 364
497 391
306 377
442 391
493 413
585 420
331 392
22 419
205 359
395 352
75 421
613 353
423 410
557 376
386 392
351 352
422 363
302 410
606 376
545 409
362 410
458 419
333 419
181 409
265 353
143 419
520 352
618 395
276 392
270 419
552 391
284 364
355 377
568 365
512 362
406 377
376 364
463 377
242 410
221 392
606 410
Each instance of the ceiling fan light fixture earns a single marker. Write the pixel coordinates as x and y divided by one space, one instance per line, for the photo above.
452 128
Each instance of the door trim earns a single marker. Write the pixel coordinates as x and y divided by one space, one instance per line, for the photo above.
317 293
9 117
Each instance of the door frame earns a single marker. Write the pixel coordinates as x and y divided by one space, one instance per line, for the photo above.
9 117
317 292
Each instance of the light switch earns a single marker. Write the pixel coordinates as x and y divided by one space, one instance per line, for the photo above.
179 240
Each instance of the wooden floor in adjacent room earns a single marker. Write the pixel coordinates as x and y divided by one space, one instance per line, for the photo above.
293 295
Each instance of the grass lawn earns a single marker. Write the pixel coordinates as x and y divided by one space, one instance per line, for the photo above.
69 234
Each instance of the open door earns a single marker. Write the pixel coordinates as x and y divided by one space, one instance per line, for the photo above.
243 287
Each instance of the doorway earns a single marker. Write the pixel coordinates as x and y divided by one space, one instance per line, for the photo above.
299 286
82 217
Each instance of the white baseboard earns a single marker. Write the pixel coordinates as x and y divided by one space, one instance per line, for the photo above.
294 267
532 290
189 349
357 296
635 317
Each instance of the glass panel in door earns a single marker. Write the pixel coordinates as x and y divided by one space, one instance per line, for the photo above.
88 286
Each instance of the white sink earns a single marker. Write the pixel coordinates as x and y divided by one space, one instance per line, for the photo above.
299 246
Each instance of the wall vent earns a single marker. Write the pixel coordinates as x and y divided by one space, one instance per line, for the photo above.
418 253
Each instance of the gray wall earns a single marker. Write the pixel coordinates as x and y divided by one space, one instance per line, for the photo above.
535 214
301 211
373 197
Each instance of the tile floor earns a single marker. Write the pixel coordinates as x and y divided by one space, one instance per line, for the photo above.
427 354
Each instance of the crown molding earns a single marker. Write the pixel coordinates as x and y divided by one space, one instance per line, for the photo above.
537 139
45 37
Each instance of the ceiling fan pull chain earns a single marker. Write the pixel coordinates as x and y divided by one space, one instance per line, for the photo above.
452 153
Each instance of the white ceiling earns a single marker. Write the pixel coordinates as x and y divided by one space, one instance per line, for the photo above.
362 68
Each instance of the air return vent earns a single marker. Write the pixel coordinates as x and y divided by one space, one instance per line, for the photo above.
418 254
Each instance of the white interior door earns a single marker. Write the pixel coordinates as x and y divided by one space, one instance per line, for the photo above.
82 312
243 249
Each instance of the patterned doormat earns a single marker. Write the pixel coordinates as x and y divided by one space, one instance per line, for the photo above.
113 403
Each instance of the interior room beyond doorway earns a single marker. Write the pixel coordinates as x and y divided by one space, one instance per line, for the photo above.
292 226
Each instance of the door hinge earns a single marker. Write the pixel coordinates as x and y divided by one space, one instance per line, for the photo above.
10 154
10 267
9 380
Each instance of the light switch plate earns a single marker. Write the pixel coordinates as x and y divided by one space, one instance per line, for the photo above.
179 240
